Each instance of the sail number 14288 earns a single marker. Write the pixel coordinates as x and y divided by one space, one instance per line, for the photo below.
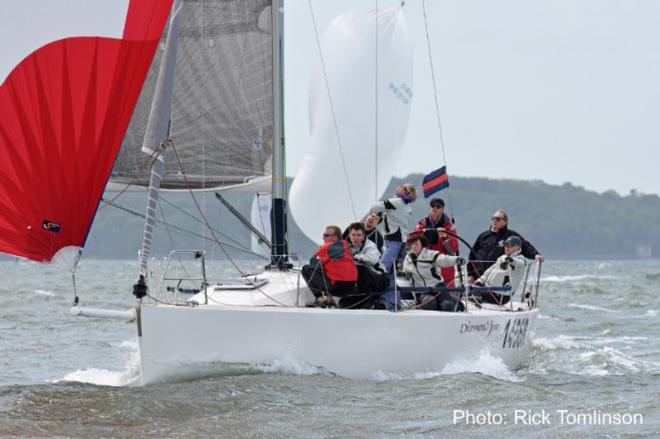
515 332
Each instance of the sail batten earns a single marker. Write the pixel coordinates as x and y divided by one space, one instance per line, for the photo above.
221 118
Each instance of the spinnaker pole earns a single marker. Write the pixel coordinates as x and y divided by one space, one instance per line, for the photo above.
156 139
279 248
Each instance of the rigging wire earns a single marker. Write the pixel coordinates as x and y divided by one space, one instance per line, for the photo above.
180 229
169 234
136 177
437 106
376 194
210 229
193 217
332 109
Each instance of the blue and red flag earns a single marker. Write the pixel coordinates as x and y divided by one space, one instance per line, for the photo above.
435 181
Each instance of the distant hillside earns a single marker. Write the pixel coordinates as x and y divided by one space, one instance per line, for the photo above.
561 221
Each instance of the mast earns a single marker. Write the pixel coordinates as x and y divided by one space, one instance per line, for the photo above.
156 139
279 248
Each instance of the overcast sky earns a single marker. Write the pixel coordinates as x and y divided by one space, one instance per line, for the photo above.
558 90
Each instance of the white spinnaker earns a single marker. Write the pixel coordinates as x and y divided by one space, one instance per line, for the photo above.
50 21
363 85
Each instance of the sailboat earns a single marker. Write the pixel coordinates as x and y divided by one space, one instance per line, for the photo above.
209 116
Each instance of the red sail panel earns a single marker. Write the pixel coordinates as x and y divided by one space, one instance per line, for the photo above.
63 113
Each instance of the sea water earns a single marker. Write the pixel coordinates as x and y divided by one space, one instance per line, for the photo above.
594 371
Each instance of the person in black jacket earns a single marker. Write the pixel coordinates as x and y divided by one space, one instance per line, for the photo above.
490 245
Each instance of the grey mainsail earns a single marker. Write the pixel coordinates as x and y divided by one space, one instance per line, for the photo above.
222 115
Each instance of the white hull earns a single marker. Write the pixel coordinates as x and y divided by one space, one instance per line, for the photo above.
350 343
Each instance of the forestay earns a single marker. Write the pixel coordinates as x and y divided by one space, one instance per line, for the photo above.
367 55
221 122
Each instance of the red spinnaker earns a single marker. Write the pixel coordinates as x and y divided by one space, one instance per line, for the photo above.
63 113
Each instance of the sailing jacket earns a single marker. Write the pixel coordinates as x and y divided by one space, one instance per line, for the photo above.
338 263
503 273
424 268
447 246
367 252
489 246
396 213
373 235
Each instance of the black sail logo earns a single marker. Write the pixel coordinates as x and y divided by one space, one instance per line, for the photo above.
51 226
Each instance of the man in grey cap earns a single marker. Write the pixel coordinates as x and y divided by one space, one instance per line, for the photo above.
508 270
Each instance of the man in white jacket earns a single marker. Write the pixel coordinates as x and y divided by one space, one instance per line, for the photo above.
508 269
422 266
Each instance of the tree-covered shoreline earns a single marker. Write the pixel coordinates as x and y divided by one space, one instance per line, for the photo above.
562 221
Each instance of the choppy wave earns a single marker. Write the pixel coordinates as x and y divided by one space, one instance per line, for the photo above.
290 366
486 364
545 317
579 277
577 342
653 276
115 378
559 342
610 361
590 307
44 293
586 356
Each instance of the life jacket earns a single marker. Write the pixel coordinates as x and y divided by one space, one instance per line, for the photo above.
338 263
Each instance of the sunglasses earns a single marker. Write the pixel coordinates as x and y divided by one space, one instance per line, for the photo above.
498 218
436 206
327 235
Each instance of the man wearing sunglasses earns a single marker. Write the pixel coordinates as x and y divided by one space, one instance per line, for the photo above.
433 227
490 245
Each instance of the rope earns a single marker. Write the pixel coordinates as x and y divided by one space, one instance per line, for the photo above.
437 106
332 109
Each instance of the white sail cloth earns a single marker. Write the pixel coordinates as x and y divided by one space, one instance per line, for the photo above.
367 56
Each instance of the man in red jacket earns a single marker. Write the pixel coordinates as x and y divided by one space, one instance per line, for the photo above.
331 271
445 243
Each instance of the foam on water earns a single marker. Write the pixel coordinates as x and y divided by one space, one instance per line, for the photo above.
380 375
486 364
128 344
544 317
104 377
590 307
290 365
579 277
553 343
44 293
607 361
